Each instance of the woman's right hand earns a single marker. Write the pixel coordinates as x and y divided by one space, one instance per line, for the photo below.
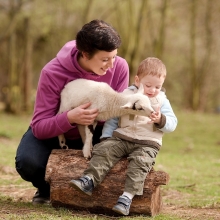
82 115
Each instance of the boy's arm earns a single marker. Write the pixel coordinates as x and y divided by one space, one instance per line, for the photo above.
168 118
112 124
108 128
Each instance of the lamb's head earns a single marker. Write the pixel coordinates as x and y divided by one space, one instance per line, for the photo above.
139 103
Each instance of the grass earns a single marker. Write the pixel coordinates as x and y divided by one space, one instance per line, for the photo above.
190 155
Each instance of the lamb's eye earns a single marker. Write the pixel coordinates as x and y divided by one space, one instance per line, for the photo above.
136 106
140 108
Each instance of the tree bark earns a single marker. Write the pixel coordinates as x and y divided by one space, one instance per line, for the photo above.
26 80
64 165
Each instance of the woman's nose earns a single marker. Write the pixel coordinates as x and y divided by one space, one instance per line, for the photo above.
111 63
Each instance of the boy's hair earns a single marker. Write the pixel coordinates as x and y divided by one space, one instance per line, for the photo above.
97 35
151 66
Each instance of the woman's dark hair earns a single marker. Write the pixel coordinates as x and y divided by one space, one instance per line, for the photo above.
97 35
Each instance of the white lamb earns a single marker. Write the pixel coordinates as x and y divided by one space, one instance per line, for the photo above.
109 103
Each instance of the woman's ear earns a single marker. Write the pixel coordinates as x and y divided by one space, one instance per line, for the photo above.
85 55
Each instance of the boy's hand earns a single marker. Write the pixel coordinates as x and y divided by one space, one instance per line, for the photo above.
155 117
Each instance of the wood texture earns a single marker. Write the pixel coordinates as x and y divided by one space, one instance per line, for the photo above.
64 165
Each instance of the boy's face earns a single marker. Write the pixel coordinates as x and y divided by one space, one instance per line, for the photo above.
152 84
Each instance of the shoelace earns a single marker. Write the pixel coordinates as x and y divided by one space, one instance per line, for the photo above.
85 180
125 201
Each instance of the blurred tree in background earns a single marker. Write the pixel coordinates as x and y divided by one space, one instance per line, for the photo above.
183 33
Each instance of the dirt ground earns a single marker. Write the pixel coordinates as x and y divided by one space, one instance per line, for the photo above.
25 194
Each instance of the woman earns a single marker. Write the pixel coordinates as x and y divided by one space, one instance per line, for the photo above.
92 56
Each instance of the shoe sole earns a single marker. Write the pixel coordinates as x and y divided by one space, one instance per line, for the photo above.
119 211
78 188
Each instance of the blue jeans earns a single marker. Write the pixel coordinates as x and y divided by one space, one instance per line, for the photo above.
32 156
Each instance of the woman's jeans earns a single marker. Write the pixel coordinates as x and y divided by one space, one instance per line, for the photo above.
32 156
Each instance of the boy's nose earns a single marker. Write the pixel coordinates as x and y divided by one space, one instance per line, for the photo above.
152 90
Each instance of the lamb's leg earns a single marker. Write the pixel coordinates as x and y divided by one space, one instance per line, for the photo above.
87 149
94 125
89 136
62 141
86 136
82 133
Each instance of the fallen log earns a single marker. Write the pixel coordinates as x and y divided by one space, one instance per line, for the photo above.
64 165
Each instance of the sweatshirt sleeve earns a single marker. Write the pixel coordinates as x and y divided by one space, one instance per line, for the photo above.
46 123
171 119
112 124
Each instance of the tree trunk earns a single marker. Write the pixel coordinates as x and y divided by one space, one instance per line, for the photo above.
26 80
64 165
194 75
12 94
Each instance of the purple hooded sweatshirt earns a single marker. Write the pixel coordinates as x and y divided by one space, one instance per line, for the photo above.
46 123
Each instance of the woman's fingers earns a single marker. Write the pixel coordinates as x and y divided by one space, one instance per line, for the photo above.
82 115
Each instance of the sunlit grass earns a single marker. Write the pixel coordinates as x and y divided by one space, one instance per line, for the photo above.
28 211
191 157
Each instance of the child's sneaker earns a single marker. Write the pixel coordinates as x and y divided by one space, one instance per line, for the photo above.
83 184
123 205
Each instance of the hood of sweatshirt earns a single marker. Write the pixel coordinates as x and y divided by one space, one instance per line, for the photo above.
67 57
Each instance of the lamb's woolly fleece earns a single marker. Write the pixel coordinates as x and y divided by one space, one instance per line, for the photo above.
109 103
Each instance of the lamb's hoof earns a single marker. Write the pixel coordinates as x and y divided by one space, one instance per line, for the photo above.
87 154
87 157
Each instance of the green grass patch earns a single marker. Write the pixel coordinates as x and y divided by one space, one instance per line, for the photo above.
190 155
11 130
21 210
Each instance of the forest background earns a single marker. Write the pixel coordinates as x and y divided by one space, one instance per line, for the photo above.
184 34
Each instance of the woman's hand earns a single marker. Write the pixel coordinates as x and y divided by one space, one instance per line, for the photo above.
82 115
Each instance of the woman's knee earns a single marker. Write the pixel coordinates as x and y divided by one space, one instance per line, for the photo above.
28 166
31 156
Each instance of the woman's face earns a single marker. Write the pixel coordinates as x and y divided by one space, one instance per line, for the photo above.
152 84
100 62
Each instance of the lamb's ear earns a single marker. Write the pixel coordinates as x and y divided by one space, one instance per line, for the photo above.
141 89
127 106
